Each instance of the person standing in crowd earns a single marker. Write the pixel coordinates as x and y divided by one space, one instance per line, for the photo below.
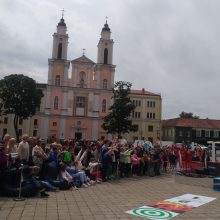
38 154
135 163
6 139
23 150
11 146
127 160
106 160
53 155
3 158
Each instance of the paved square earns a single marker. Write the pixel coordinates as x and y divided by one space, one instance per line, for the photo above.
112 199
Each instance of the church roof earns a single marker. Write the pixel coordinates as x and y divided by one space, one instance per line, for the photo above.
82 59
62 22
106 27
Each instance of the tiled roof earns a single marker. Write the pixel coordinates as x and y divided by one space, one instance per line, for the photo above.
194 123
83 59
143 92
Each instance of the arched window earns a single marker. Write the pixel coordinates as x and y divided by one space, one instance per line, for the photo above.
82 77
106 56
57 80
104 105
59 55
55 104
105 84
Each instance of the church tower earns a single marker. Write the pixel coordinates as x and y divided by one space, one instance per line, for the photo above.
105 67
56 95
105 46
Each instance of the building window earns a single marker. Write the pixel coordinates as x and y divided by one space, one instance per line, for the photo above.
59 55
207 133
6 120
136 114
20 132
55 104
5 131
188 133
106 56
150 128
80 102
57 80
216 134
20 121
136 103
198 133
151 115
180 133
34 133
35 122
151 104
104 105
54 124
105 84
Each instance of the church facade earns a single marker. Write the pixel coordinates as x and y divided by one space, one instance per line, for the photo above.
75 103
75 106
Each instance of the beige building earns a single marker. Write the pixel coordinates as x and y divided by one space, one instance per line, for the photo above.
147 115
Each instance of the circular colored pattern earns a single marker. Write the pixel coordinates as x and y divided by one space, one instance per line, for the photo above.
151 212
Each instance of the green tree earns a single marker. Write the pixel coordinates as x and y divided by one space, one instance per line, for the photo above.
117 121
188 115
19 96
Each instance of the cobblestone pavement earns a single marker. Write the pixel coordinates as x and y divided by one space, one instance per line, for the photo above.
110 200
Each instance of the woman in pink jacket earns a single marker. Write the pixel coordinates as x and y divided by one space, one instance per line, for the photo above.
135 161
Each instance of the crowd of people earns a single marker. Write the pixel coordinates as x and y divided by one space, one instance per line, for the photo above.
83 163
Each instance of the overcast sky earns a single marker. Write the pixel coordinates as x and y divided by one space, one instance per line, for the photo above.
170 47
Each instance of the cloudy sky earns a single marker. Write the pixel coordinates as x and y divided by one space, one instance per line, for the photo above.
170 47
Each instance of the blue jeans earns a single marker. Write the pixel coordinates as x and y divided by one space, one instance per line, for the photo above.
80 176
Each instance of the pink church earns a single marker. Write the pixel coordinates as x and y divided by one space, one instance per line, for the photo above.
74 107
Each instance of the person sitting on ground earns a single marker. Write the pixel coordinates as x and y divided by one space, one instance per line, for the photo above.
64 175
94 170
77 175
29 177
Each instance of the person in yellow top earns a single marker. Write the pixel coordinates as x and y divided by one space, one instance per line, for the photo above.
127 160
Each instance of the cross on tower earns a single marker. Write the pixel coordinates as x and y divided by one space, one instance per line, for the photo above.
84 51
62 12
106 19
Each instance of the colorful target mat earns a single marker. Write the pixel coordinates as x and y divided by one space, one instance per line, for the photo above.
170 208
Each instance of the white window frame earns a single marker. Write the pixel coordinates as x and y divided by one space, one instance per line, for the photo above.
198 133
207 133
216 134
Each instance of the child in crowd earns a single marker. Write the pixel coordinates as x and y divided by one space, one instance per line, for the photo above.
135 163
94 170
